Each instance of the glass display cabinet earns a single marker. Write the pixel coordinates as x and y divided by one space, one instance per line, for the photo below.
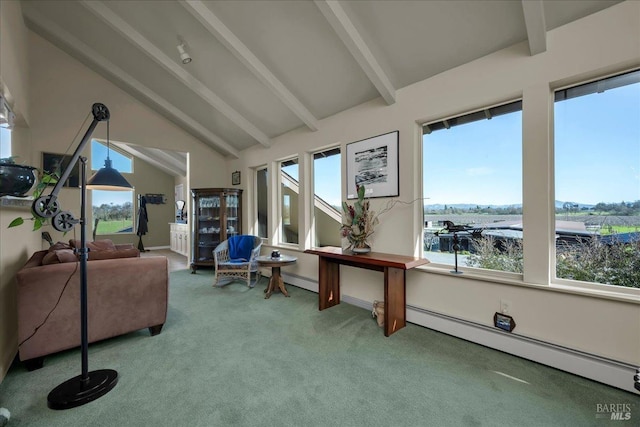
217 215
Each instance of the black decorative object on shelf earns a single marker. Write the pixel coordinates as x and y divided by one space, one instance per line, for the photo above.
16 180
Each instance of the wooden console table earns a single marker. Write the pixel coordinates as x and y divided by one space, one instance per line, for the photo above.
393 266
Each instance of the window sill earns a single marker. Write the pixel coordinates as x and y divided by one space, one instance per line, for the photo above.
629 295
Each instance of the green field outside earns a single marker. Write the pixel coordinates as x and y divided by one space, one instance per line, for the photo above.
618 229
115 227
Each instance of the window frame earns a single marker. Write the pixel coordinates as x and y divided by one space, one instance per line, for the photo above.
256 219
332 150
506 106
280 199
562 92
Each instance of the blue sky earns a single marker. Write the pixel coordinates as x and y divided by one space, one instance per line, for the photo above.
597 149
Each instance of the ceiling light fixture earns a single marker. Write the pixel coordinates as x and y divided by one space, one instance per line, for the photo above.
184 56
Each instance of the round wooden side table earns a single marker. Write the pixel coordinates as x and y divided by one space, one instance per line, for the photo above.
276 282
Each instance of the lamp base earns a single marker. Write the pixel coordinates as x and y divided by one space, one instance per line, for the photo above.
74 392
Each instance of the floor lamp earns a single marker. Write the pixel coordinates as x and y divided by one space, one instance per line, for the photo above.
87 386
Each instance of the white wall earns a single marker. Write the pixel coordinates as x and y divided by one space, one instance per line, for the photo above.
15 246
60 94
602 43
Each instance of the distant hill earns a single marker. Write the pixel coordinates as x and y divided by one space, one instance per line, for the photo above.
466 206
559 204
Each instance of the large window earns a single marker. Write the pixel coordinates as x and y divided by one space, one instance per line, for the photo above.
473 179
289 191
597 181
327 196
262 198
113 211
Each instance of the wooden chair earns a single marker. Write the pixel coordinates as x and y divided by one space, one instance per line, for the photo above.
235 259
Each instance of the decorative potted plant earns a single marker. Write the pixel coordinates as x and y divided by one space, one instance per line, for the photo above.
358 223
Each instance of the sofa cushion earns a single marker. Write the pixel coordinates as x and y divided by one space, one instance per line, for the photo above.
106 249
120 253
58 256
98 245
59 245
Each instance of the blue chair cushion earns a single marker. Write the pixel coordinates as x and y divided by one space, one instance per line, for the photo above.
240 248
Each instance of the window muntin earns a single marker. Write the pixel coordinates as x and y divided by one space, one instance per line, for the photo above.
327 187
289 191
472 176
597 181
262 205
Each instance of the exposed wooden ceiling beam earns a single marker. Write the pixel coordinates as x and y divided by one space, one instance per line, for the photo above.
130 33
342 25
536 27
104 66
224 35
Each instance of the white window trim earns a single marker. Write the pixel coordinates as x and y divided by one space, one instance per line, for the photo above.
620 293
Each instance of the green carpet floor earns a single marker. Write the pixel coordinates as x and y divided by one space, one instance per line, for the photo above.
228 357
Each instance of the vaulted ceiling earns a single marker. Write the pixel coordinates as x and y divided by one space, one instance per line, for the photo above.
261 68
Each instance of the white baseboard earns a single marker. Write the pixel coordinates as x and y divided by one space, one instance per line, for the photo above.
155 248
596 368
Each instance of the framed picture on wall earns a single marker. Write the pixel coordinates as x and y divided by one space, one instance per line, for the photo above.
235 178
57 164
373 162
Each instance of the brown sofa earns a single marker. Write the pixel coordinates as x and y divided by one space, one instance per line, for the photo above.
125 293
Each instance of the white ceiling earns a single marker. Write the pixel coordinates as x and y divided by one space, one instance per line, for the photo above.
264 67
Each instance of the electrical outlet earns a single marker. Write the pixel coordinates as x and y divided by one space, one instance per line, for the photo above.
505 306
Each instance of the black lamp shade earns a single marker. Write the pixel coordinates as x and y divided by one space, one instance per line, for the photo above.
108 178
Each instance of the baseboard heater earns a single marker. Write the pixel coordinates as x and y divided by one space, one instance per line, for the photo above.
587 365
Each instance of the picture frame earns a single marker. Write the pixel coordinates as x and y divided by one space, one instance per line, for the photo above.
235 178
58 163
504 322
374 163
